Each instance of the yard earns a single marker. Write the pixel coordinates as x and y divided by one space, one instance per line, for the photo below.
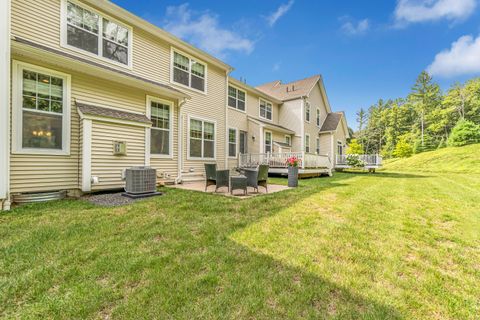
390 245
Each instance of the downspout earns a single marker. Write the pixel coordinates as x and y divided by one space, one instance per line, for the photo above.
5 104
180 141
226 119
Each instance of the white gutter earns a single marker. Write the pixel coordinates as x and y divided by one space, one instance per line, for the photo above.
4 104
180 142
226 120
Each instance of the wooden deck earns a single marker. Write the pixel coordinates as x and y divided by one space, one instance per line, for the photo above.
311 165
371 162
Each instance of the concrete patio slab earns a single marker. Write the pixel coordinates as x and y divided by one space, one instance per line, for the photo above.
200 186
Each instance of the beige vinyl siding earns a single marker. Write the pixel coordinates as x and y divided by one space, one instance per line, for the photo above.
237 120
316 101
40 22
290 116
209 107
253 107
168 166
326 144
108 167
44 173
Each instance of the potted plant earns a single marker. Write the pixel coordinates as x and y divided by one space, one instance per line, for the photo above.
293 163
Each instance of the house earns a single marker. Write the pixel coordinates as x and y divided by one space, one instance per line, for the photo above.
311 129
89 89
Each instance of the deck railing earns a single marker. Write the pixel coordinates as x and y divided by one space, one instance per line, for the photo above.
279 160
368 159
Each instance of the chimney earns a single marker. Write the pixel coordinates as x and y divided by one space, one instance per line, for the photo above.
293 87
287 89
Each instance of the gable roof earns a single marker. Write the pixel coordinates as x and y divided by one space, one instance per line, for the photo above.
290 91
246 87
331 122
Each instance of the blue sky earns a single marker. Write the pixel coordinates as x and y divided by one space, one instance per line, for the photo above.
365 50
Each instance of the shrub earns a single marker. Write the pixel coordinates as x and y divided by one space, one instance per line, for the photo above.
465 132
354 160
355 147
403 149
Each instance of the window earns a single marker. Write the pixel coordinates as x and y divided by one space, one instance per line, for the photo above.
41 110
268 142
307 112
318 117
232 143
202 139
265 110
318 146
307 143
161 131
90 32
188 72
243 142
288 140
236 98
339 148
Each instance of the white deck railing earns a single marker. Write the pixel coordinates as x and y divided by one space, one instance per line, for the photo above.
279 160
368 159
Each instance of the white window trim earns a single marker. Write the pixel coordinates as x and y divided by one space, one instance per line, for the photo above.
151 99
290 138
318 118
190 57
265 140
309 108
64 42
317 146
259 113
228 96
17 112
246 140
309 148
340 144
192 117
237 145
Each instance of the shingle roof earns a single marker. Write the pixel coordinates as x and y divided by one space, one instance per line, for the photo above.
289 91
282 144
111 113
331 122
272 125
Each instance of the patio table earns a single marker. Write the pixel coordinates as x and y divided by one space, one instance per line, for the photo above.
238 182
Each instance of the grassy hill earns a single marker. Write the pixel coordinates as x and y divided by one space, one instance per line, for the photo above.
457 159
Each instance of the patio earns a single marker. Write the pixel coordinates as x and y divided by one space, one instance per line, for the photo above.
200 186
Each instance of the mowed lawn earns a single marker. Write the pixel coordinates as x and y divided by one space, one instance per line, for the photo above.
389 245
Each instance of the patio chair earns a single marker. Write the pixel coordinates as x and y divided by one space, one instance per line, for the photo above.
258 178
214 177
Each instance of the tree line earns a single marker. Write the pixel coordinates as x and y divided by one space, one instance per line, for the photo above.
426 119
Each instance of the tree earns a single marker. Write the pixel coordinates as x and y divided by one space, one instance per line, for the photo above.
425 97
355 147
361 119
465 132
403 149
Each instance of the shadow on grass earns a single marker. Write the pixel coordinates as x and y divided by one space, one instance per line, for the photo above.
386 174
165 257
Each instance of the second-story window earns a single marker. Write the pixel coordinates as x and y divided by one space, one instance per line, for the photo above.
318 117
89 31
307 112
265 110
188 72
236 98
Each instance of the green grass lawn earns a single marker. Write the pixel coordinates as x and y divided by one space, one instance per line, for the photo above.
389 245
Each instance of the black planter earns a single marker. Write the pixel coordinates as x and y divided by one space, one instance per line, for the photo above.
293 177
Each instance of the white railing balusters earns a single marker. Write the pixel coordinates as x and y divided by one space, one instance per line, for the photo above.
279 160
369 159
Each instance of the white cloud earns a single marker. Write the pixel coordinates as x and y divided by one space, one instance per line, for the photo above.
280 12
204 31
353 28
461 59
413 11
